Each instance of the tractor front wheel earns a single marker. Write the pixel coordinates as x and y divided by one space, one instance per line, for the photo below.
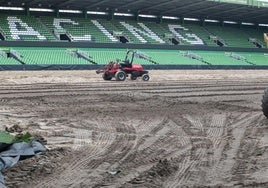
145 77
265 103
107 76
120 76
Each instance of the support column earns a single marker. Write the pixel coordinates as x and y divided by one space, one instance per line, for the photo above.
182 20
221 23
202 22
85 14
137 16
240 24
27 11
110 15
160 19
257 25
57 13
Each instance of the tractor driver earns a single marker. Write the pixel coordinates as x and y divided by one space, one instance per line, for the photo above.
110 65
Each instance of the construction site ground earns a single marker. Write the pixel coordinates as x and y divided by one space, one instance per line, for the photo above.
183 128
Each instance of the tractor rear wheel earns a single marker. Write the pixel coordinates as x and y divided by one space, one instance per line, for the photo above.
120 76
265 103
145 77
107 76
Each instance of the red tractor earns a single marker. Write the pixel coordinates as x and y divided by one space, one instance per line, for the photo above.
120 71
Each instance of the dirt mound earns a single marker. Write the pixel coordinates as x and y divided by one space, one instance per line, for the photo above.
33 170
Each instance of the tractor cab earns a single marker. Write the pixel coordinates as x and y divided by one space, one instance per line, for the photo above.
127 62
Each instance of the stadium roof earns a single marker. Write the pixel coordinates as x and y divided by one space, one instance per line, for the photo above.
210 9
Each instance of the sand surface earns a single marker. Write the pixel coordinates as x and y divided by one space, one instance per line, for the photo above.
191 128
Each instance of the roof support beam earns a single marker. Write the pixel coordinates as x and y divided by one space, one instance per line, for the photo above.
65 3
128 5
96 4
29 2
255 14
184 7
209 8
227 11
159 5
258 14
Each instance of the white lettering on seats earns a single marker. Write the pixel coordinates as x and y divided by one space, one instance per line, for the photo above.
136 32
13 23
57 24
104 31
188 37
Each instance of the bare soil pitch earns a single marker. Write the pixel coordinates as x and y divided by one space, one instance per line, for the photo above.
182 128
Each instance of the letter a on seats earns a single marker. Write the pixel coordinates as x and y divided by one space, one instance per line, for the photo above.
15 24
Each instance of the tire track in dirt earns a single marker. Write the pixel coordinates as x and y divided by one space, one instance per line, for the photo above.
82 138
224 166
216 129
135 126
154 149
126 87
117 145
192 158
